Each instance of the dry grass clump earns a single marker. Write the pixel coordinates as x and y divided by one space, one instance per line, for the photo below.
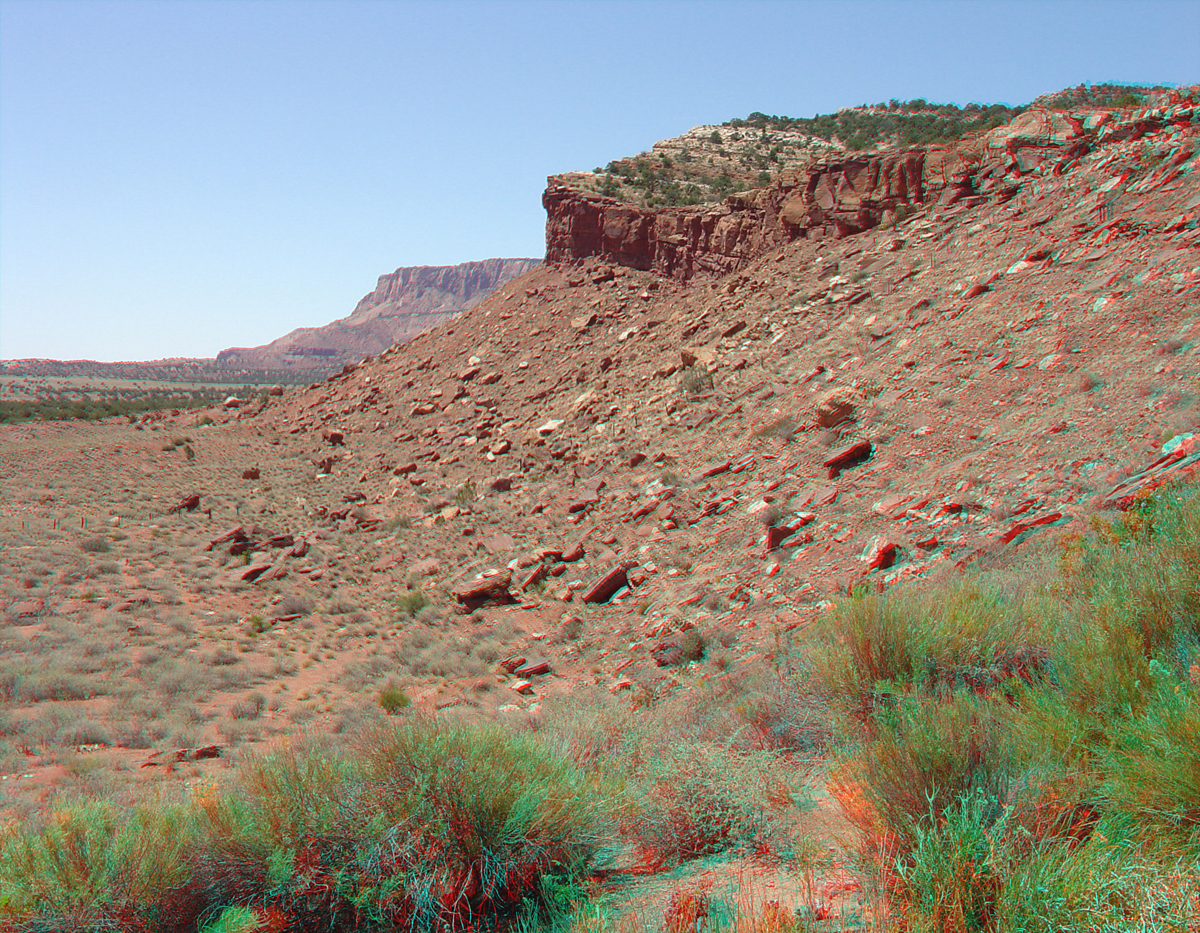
962 637
249 707
425 652
700 771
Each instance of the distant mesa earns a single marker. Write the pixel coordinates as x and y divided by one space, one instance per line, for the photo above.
405 303
295 351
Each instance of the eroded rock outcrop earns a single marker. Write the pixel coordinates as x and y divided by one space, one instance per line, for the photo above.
677 242
832 198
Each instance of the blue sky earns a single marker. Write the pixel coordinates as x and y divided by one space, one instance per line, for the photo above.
177 178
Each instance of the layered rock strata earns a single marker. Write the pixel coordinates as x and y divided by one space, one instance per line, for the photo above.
831 198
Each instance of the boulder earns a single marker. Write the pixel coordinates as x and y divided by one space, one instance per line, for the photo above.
713 469
252 571
535 576
833 408
488 590
233 535
776 535
880 555
849 456
27 608
603 588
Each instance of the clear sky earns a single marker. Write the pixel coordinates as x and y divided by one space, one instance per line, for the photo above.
179 177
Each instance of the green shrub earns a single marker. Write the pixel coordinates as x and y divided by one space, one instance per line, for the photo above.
392 699
927 755
1133 589
96 545
411 602
969 872
956 868
236 920
1145 577
874 647
425 826
1152 766
95 865
287 831
256 624
1032 762
1111 881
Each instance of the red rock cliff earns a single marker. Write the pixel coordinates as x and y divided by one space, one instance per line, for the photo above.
832 198
828 199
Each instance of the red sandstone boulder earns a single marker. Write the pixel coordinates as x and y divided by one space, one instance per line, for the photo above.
493 590
846 457
603 588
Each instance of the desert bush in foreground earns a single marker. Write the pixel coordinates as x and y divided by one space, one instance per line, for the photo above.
420 826
1032 764
1152 767
931 756
972 872
877 646
426 825
95 865
701 799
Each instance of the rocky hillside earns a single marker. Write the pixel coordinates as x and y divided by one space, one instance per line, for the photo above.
403 304
843 402
877 369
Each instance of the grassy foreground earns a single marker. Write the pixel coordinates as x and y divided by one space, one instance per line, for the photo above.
1016 754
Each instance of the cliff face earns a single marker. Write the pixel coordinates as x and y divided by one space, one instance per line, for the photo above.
831 198
835 198
404 303
424 288
677 242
